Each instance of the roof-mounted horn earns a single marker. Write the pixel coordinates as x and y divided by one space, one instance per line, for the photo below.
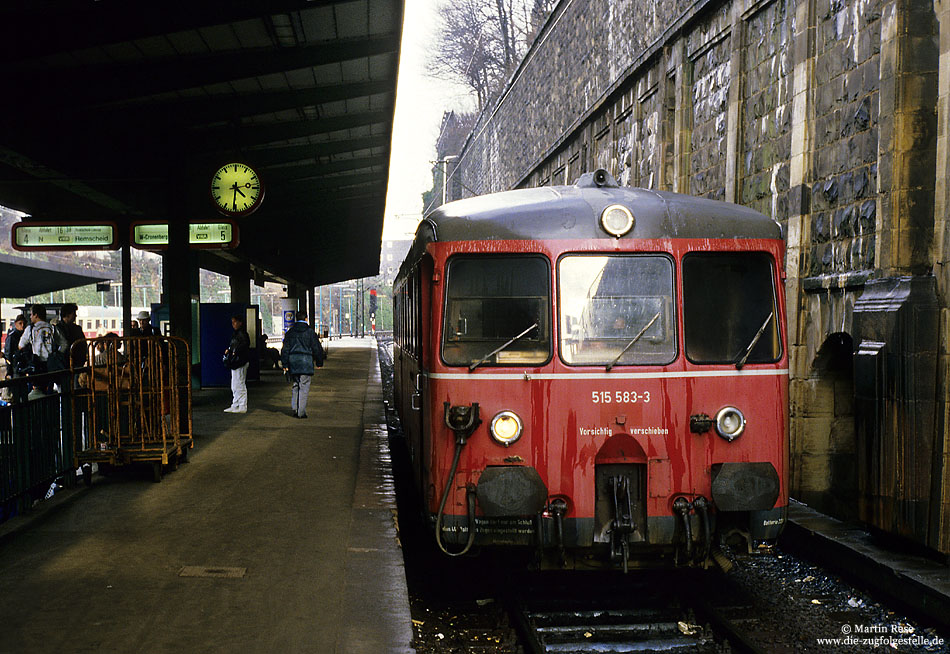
596 179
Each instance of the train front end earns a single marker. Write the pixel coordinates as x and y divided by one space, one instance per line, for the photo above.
611 397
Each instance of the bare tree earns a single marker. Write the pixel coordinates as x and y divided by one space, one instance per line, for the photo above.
482 41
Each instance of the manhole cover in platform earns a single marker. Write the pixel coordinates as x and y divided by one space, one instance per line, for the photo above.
216 572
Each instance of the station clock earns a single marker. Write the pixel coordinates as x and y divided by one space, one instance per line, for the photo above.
236 189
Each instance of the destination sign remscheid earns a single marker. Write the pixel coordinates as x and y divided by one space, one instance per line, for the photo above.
212 235
55 236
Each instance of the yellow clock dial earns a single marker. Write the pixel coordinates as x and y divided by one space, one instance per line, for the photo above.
236 189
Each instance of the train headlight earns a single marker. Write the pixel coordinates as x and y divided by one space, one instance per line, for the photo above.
730 423
616 220
506 428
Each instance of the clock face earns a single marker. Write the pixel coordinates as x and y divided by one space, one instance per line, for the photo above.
236 189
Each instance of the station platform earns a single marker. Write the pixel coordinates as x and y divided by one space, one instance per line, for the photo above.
278 535
921 584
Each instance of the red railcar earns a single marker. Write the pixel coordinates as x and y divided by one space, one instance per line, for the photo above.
597 373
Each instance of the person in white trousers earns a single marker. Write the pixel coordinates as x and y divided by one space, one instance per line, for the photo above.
237 358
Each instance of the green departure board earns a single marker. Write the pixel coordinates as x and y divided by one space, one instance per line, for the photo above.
39 236
154 236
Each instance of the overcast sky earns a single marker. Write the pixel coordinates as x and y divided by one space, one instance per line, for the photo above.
420 102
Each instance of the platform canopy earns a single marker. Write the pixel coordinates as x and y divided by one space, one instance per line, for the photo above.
22 278
123 111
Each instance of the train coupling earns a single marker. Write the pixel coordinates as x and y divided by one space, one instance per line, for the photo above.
622 525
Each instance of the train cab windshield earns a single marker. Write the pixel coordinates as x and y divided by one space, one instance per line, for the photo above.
729 307
616 310
497 311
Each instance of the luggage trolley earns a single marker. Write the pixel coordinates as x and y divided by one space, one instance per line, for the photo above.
133 404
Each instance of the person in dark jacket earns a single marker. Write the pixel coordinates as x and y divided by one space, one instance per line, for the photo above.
15 357
301 352
239 355
11 349
72 333
11 344
144 325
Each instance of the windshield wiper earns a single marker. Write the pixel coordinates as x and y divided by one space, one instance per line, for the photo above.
499 349
632 342
755 339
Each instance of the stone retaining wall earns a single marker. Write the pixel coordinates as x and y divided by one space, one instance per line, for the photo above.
823 114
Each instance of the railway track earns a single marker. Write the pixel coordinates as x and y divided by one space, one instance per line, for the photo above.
544 630
692 620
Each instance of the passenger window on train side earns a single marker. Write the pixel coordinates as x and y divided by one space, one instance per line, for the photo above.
497 311
616 310
730 310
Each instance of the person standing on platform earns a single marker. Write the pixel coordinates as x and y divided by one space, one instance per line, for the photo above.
11 345
145 325
15 358
72 333
41 338
301 352
237 358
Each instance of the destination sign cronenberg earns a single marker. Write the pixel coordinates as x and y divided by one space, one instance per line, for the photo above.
155 235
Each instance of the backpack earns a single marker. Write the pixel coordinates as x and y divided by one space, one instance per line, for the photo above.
23 361
58 349
319 354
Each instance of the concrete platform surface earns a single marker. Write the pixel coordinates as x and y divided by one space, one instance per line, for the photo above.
922 584
277 536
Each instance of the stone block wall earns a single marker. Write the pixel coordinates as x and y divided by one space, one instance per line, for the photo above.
709 78
829 115
766 130
846 87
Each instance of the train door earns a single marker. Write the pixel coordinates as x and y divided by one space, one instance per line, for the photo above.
411 383
426 289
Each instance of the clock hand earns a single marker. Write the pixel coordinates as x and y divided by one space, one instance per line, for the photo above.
237 190
234 201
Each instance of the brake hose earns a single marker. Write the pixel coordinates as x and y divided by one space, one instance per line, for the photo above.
470 500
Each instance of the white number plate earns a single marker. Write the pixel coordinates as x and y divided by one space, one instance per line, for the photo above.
619 397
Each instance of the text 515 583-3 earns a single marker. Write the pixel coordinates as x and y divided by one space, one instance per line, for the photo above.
619 397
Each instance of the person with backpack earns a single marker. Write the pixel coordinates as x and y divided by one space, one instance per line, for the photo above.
44 342
301 352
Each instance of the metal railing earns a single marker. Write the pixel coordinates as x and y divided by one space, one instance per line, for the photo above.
36 440
132 404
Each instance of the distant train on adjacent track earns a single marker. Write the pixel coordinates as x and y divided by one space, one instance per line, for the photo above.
94 320
595 375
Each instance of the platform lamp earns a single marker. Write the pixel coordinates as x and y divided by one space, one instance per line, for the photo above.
445 172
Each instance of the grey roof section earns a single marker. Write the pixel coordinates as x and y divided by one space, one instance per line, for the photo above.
22 278
123 111
573 212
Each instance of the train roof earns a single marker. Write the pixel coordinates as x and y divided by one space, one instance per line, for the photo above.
573 212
